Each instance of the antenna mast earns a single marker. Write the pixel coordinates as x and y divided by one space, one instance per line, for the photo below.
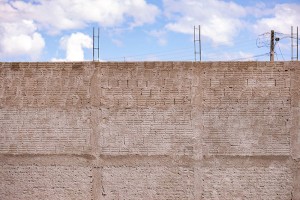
294 57
197 41
97 47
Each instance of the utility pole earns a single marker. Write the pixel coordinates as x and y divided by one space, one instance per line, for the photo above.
272 46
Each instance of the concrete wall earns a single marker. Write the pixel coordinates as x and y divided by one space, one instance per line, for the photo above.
154 130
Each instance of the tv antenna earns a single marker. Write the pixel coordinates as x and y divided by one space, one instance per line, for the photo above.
96 48
197 40
293 46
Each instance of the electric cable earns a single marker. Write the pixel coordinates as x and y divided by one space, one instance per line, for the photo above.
280 52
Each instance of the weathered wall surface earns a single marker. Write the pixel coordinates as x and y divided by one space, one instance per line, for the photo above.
154 130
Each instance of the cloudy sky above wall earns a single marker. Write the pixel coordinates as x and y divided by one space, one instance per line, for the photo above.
145 30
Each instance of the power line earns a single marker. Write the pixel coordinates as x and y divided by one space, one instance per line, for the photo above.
280 52
152 53
182 53
256 56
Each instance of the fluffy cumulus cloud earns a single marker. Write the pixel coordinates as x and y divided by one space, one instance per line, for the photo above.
25 24
220 20
160 35
22 22
280 19
20 38
74 46
58 15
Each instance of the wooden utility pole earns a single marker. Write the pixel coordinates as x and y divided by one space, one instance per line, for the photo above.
272 46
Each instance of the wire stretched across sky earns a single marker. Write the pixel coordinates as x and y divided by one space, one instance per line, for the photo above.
209 53
241 49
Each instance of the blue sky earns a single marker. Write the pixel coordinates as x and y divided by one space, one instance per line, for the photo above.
145 30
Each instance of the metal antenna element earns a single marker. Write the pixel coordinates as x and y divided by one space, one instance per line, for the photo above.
293 38
97 47
263 40
197 41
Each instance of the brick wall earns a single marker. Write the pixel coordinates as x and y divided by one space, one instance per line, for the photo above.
153 130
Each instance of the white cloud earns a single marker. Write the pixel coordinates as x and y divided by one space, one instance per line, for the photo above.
283 17
74 46
58 15
160 35
20 38
220 21
117 42
22 21
8 13
259 10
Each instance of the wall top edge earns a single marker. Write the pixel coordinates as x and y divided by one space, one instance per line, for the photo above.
103 62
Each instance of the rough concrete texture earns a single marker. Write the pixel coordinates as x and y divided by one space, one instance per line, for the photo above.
150 130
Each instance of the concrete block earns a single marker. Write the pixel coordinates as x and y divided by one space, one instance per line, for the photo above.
151 182
45 182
